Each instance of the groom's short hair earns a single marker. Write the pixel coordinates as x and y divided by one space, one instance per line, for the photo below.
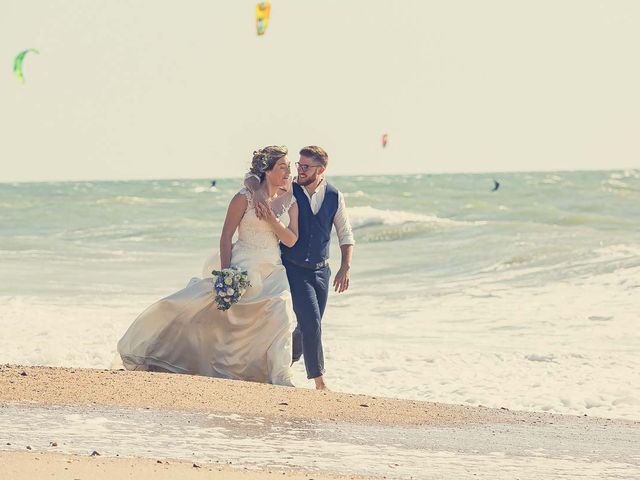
317 153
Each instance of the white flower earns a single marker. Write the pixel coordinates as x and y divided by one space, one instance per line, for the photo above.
222 293
228 280
230 291
227 299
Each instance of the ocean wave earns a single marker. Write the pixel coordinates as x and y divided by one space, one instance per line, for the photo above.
356 194
613 184
368 216
201 189
552 179
625 174
614 264
134 200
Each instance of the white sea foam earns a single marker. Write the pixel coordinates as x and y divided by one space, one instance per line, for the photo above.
136 200
369 216
57 332
552 179
356 194
529 348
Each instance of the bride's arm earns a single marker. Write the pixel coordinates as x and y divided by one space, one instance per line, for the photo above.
287 235
235 212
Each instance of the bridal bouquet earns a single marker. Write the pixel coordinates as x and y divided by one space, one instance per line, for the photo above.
229 285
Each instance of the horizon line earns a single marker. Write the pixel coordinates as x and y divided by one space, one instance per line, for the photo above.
486 172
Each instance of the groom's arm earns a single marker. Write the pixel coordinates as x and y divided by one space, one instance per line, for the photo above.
346 240
341 280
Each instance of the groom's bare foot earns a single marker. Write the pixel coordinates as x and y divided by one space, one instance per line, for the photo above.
320 385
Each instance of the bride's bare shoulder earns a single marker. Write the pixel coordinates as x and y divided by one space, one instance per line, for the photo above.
241 199
245 193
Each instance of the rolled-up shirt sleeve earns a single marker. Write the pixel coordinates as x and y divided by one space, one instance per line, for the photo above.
342 224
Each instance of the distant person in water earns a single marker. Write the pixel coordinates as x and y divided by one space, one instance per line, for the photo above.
496 185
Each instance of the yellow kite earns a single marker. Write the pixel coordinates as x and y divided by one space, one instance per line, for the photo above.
262 16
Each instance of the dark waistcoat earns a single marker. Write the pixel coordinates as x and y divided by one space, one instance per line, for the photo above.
314 231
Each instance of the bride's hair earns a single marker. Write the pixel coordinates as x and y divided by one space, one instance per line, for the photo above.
265 158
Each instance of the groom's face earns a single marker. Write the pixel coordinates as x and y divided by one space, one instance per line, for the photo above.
308 170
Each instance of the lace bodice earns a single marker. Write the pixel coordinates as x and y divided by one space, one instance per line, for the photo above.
256 233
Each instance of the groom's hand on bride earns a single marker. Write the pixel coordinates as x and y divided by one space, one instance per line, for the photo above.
261 204
268 215
341 280
262 211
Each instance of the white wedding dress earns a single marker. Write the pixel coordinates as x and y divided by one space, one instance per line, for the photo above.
186 333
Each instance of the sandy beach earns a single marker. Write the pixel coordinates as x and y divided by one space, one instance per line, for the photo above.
30 466
49 387
156 425
70 386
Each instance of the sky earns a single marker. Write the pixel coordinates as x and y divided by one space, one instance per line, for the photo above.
166 89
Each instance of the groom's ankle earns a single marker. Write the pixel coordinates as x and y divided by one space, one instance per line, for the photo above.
320 384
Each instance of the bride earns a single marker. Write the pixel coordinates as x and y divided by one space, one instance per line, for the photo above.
186 333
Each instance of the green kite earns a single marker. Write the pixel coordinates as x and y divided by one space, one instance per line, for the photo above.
17 64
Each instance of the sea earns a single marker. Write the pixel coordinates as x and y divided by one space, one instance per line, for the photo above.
526 297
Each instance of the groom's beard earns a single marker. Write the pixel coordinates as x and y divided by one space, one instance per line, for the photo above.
307 181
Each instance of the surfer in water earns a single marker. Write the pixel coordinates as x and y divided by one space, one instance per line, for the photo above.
496 185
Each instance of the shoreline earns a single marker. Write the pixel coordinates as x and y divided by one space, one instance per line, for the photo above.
66 386
158 425
48 386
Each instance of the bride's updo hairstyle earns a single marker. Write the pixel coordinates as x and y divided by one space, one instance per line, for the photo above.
265 158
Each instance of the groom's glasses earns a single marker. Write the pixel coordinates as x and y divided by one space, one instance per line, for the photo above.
303 168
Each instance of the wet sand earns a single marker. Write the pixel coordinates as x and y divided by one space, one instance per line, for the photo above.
164 423
32 466
75 386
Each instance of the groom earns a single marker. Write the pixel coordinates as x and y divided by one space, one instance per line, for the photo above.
320 207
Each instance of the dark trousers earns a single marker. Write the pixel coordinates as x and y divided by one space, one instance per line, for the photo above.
309 290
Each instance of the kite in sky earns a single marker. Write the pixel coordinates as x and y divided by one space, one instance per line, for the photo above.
17 64
262 17
385 140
